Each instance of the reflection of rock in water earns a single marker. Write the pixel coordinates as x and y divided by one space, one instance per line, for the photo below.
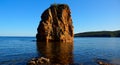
58 53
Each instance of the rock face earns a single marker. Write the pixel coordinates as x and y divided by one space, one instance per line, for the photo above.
56 24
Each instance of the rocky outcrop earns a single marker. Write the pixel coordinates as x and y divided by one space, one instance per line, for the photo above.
56 24
39 61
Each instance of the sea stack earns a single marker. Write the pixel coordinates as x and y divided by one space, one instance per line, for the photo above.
56 24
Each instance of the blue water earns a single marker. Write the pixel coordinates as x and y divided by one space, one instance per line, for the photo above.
86 50
19 50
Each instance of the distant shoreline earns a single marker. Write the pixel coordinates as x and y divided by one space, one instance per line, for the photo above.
99 34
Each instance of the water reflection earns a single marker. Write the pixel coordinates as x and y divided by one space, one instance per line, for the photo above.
60 53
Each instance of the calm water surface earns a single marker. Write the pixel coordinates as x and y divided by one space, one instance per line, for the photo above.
19 50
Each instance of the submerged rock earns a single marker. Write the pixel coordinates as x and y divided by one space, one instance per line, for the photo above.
103 62
56 24
39 61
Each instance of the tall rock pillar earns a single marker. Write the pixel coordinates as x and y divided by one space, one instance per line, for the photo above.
56 24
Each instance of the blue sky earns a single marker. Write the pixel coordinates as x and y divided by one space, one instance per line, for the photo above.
21 17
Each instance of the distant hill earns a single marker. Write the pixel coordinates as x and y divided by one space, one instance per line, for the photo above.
99 34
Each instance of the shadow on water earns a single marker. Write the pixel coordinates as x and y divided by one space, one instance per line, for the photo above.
57 52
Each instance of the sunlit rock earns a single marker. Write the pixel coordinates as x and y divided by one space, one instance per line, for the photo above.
56 24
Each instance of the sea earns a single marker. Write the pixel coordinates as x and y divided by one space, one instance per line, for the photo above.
84 50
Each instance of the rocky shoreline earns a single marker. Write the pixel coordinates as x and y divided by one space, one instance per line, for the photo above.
46 61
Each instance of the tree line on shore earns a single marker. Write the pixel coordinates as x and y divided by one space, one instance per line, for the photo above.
99 34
